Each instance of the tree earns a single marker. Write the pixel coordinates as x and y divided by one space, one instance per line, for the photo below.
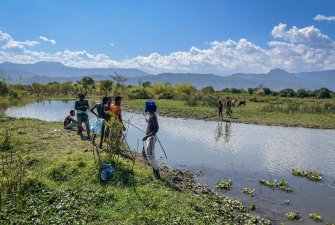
267 91
288 92
106 86
67 87
146 84
208 90
323 93
302 93
87 82
3 88
119 79
251 91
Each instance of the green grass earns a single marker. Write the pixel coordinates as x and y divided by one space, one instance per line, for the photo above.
256 111
63 187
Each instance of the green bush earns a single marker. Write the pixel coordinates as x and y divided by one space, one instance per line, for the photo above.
209 101
139 93
166 95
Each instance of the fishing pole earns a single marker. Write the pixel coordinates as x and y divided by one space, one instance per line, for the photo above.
124 84
144 133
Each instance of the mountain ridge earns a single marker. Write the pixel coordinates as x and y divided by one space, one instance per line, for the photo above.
276 79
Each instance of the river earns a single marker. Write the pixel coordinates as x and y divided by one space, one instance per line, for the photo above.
244 153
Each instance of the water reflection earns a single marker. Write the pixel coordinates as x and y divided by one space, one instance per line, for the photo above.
227 131
219 133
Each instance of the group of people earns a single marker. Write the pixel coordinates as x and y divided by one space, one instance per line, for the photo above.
228 105
104 112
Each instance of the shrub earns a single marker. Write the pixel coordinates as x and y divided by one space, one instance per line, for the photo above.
166 95
260 92
208 90
139 93
209 101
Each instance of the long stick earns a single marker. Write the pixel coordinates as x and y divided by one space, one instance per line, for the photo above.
144 133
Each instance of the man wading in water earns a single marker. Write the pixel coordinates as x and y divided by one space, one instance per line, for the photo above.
151 138
81 105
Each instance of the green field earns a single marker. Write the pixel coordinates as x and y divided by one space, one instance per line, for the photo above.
312 113
49 176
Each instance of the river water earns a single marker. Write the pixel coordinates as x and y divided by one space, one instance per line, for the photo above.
244 153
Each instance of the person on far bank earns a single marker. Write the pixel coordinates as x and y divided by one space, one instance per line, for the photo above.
81 105
150 137
102 115
69 121
228 107
220 106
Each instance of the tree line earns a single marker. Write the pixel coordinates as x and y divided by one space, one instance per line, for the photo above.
117 85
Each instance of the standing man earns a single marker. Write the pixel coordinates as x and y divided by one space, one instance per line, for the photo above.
228 107
220 106
102 115
116 110
150 137
81 105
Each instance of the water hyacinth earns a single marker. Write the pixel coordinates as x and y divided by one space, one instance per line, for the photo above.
249 191
282 185
225 184
310 175
293 216
315 217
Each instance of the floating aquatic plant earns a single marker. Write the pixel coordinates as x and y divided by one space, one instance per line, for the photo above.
287 202
249 191
252 206
315 217
293 216
282 185
310 175
225 184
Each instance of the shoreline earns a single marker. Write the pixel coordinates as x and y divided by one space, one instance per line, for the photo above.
65 165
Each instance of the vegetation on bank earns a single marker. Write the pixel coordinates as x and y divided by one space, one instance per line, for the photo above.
253 112
49 176
315 109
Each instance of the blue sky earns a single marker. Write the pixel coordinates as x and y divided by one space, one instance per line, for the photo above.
129 33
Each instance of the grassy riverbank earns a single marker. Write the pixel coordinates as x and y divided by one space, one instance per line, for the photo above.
61 185
312 113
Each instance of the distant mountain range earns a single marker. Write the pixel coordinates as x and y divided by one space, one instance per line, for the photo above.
276 79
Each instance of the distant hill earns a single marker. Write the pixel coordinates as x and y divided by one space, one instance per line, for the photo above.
276 79
55 69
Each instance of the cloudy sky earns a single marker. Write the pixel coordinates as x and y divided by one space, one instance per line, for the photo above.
201 36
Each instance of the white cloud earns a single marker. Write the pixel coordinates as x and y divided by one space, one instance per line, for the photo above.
309 36
45 39
7 42
324 18
293 49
